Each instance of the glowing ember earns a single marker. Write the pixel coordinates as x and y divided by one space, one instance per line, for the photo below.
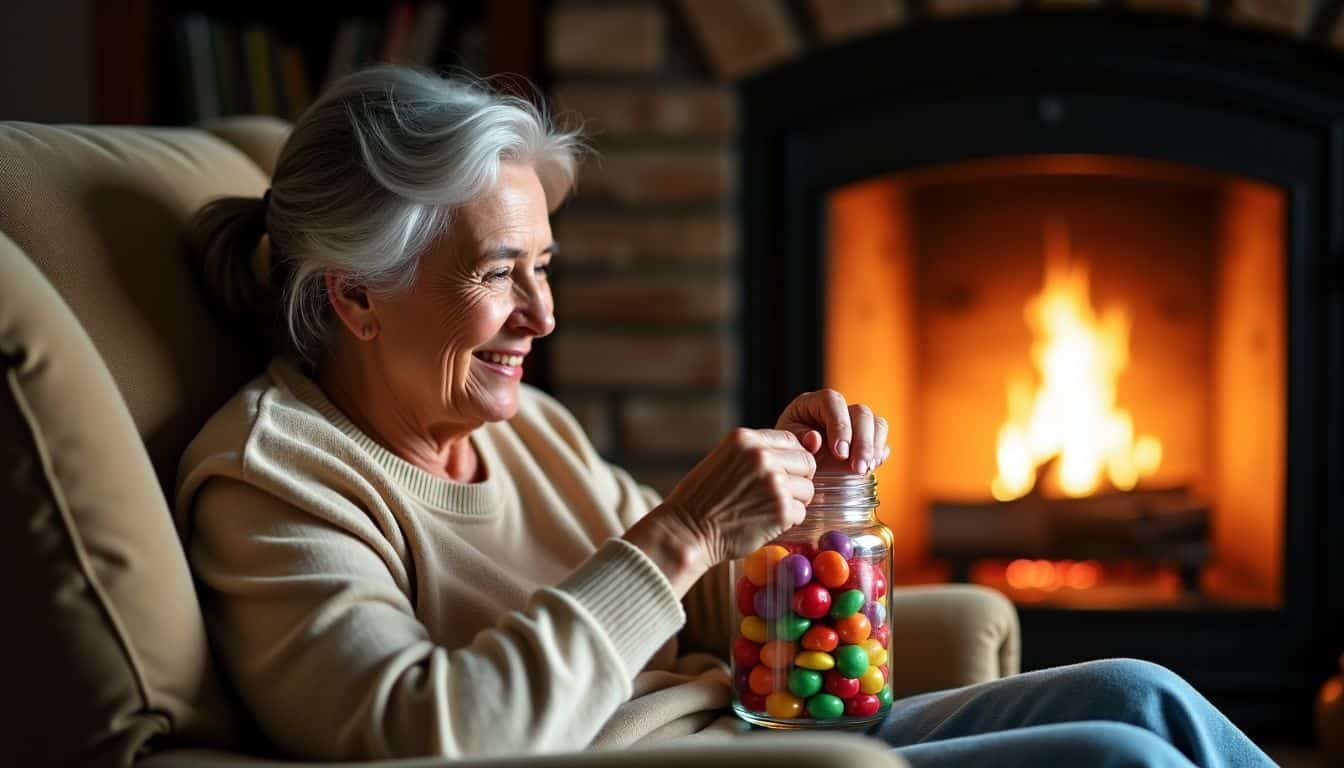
1071 417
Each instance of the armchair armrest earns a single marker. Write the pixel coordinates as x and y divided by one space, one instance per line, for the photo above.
796 750
947 636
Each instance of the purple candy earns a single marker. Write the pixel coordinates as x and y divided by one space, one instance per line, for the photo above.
770 602
793 571
876 613
742 679
838 542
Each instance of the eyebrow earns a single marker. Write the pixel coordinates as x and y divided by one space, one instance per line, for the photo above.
505 252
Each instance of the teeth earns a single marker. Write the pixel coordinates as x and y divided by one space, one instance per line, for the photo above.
509 360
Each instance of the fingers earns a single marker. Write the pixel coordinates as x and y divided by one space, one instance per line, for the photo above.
777 439
798 489
862 458
880 449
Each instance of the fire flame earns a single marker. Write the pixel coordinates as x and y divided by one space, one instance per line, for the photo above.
1072 416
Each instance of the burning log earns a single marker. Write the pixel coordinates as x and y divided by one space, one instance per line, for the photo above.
1156 526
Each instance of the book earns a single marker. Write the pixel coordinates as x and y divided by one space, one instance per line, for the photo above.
196 63
297 83
430 20
257 55
397 33
344 50
229 68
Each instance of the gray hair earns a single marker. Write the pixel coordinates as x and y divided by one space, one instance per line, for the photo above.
366 181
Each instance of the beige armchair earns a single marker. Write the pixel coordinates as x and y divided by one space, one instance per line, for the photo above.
110 364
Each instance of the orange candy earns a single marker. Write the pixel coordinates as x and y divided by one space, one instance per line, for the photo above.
852 629
764 680
783 704
821 639
761 563
829 568
777 654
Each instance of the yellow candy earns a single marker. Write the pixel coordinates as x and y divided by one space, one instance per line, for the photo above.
871 681
818 660
783 704
753 628
870 645
879 658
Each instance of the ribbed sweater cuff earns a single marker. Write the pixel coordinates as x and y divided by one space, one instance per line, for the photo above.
630 598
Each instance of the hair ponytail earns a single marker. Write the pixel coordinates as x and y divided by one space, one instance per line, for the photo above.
226 236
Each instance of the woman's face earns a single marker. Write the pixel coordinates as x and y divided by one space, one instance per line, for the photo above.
452 347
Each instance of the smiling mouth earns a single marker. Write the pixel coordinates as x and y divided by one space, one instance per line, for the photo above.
499 358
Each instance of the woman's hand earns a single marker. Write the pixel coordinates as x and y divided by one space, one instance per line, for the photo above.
753 486
855 439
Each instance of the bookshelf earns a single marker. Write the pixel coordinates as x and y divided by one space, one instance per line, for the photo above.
175 62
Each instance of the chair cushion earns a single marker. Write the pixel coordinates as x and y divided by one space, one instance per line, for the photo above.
102 212
105 647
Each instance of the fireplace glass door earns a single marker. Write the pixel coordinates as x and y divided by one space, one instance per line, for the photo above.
1082 359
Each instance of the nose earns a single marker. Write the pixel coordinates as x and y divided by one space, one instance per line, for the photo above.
534 312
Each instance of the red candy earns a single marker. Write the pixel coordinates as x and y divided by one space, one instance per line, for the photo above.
839 685
879 585
861 577
821 638
882 635
754 702
886 673
862 705
812 601
746 596
745 652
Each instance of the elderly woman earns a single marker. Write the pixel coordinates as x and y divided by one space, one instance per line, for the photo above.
402 550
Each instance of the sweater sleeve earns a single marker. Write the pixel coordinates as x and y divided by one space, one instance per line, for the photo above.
327 654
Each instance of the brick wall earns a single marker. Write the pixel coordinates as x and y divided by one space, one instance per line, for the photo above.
646 288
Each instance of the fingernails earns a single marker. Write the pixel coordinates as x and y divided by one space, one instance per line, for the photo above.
842 449
863 466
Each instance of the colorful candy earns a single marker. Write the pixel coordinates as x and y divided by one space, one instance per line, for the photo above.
763 680
793 571
882 635
745 652
762 562
815 660
745 594
754 629
812 601
836 541
853 629
821 638
778 654
871 681
851 660
839 685
876 612
830 569
846 604
805 682
791 627
783 704
771 602
824 706
813 636
862 705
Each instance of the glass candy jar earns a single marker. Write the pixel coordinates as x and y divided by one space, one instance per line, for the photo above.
810 633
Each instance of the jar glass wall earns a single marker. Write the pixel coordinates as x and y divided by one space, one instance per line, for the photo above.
811 636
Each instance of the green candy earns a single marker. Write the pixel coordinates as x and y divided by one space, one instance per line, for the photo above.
846 603
804 682
825 706
851 660
791 626
884 696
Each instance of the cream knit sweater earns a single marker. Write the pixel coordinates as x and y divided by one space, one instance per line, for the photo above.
364 608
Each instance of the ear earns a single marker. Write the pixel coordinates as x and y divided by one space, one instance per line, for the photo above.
351 304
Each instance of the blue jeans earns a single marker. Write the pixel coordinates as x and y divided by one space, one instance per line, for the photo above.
1118 712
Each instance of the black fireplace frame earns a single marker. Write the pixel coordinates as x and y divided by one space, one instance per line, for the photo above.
1227 99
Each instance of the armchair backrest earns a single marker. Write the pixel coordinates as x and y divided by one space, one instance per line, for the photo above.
109 364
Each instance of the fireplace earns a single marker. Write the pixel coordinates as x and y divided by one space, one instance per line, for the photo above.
1089 271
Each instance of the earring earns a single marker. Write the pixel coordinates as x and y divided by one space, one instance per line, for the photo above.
365 332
